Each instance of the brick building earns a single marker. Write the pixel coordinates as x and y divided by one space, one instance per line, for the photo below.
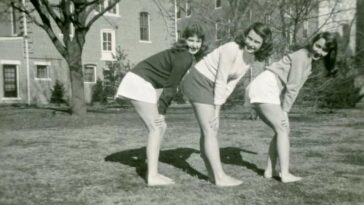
30 64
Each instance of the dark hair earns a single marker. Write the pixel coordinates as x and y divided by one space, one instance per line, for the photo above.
189 31
262 30
331 45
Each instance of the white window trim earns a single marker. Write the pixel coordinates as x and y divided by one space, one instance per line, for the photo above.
105 54
12 20
219 6
11 62
11 38
108 13
144 41
17 64
48 64
95 77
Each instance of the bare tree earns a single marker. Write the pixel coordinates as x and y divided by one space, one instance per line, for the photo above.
64 15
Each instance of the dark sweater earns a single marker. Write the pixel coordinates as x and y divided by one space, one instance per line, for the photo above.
165 70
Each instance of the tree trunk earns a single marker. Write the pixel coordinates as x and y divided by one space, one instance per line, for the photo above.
78 103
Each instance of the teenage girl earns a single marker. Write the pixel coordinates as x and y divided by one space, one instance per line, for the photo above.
211 81
143 84
274 91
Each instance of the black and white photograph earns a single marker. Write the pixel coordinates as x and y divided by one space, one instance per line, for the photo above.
175 102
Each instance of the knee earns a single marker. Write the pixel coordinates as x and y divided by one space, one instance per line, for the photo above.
154 126
280 130
208 132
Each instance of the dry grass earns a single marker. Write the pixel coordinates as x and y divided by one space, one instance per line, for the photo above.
49 158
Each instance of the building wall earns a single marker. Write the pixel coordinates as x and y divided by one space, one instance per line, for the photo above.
339 16
13 57
127 34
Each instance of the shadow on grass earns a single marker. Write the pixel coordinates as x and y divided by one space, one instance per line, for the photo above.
175 157
178 158
232 155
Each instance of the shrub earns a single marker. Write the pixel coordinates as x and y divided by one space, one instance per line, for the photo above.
98 92
331 92
58 93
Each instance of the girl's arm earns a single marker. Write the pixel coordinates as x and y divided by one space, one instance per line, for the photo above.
226 59
295 79
181 63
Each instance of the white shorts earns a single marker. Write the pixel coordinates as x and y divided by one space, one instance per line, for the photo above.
136 88
264 89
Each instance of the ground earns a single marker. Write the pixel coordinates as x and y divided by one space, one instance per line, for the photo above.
48 157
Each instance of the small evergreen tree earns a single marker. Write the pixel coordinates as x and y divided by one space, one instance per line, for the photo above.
58 92
98 92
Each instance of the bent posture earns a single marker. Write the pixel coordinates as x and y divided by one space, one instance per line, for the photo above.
274 91
211 81
142 84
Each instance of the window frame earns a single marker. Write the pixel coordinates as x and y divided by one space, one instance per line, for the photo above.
188 8
13 22
17 65
148 28
108 13
216 4
108 54
47 64
94 70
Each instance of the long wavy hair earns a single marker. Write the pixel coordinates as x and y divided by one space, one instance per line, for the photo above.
190 31
331 46
263 31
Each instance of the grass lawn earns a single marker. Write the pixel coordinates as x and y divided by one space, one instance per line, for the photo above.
53 158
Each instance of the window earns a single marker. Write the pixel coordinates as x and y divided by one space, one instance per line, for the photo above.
89 73
188 8
250 15
107 44
42 71
144 26
178 10
267 19
114 11
219 30
217 4
10 76
305 29
14 21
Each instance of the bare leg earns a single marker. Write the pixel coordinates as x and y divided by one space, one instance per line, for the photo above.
270 170
148 112
204 114
273 115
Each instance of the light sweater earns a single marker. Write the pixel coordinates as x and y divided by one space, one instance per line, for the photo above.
225 67
292 70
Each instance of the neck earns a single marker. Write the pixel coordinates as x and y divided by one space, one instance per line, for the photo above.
248 58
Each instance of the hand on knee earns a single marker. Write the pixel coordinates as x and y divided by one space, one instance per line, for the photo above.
160 122
214 124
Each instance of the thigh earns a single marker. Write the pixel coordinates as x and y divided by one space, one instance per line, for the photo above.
271 114
204 114
148 112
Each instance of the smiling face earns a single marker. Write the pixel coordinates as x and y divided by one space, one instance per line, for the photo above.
194 44
319 49
253 42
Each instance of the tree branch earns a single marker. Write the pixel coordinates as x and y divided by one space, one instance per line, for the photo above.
109 7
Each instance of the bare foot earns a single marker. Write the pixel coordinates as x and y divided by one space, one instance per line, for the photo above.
159 180
289 178
227 181
269 174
